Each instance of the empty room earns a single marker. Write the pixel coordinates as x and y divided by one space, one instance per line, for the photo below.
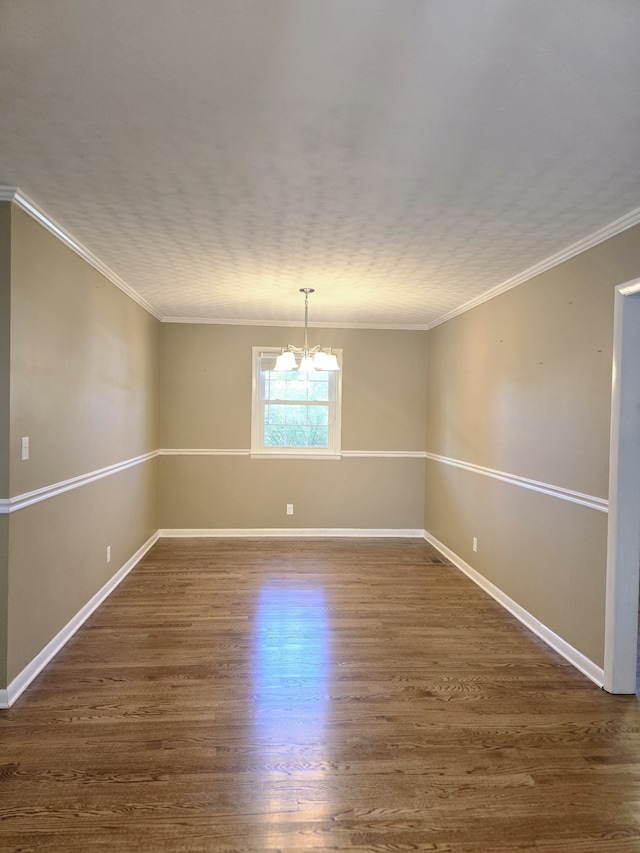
319 425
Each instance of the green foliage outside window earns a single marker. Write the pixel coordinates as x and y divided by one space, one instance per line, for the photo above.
296 414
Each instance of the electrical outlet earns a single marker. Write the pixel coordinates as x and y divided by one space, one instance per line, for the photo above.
108 553
475 543
289 509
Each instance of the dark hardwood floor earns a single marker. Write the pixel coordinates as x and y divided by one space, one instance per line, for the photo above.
314 695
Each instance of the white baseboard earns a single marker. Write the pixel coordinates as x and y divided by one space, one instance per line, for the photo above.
24 679
289 532
581 662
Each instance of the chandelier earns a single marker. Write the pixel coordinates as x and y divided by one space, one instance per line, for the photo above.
310 358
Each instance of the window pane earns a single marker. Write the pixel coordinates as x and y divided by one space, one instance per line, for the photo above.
296 426
292 386
307 436
298 388
318 436
295 436
274 436
277 387
283 414
275 415
318 389
318 415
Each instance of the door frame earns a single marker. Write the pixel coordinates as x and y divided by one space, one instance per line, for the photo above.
623 538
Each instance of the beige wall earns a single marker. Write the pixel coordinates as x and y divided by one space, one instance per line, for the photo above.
237 492
522 384
206 384
546 554
5 324
84 363
84 388
57 554
206 404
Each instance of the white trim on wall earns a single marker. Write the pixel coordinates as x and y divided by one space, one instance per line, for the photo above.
192 451
568 652
601 504
374 454
33 669
384 454
347 454
290 533
46 492
8 505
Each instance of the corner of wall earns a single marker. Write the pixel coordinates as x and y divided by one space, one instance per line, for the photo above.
5 330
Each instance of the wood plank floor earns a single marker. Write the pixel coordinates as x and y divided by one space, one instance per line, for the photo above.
314 695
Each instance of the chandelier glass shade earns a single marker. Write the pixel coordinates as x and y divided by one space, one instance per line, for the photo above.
306 359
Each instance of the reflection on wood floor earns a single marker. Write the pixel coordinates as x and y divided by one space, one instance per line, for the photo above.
314 695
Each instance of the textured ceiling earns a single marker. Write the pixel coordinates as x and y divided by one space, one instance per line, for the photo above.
400 156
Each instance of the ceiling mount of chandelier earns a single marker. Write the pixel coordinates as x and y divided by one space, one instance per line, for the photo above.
306 359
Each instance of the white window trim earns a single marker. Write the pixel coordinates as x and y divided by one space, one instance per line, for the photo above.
258 451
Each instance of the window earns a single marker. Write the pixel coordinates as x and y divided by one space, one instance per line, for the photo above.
294 414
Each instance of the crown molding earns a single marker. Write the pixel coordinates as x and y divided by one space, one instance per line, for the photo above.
616 227
14 194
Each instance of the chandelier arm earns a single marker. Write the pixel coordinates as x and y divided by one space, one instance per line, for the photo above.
305 352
